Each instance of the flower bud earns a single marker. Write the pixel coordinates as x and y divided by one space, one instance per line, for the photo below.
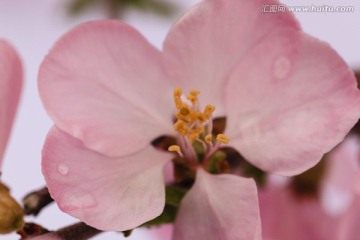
11 214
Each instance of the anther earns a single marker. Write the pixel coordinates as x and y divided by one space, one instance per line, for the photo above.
175 148
184 111
177 92
181 127
177 96
192 97
208 138
209 109
222 139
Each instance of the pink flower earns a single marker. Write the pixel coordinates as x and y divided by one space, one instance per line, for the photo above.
341 184
283 216
10 87
287 99
333 215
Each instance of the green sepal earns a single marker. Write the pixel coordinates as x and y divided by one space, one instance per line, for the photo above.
174 194
217 162
167 216
257 174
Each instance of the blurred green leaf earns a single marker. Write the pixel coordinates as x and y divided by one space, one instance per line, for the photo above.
78 6
157 6
115 8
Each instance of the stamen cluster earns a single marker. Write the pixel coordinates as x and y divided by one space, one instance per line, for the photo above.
192 125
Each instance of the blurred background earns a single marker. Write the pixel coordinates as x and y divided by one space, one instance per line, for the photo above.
33 26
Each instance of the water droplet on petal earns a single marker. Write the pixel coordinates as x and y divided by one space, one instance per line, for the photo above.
79 199
63 169
282 67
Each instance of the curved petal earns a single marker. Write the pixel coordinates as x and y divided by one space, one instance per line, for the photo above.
162 232
103 83
106 193
349 225
339 185
203 47
10 87
219 207
289 101
284 216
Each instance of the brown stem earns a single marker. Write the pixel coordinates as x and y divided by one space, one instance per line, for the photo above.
31 229
35 201
78 231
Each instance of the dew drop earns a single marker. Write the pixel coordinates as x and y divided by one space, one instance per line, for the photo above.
79 199
63 169
282 67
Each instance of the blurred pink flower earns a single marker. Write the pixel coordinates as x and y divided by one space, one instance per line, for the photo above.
333 215
287 98
10 87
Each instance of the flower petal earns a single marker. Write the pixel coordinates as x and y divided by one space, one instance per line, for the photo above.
203 47
291 100
218 207
284 216
10 87
338 188
103 83
106 193
349 225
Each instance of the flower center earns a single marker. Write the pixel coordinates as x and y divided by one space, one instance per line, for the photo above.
194 126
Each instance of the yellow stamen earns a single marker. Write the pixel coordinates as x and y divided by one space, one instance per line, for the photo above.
174 148
194 136
209 109
190 120
177 92
193 96
177 98
178 103
181 127
222 138
194 92
184 111
208 138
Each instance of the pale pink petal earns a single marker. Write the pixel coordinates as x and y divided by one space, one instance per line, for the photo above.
218 207
10 87
342 175
204 46
163 232
169 173
285 217
349 226
106 193
289 101
103 83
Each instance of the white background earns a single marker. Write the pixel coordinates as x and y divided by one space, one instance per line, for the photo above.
33 26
